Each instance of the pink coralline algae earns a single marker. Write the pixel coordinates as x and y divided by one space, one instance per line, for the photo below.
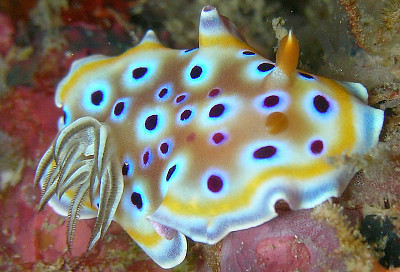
291 242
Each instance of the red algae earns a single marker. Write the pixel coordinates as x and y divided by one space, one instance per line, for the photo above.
17 10
99 12
20 117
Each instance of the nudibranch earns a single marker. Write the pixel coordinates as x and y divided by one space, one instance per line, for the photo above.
199 142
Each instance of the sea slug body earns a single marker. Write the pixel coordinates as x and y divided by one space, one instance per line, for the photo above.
199 143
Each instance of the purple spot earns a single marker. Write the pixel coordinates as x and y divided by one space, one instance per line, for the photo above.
163 92
139 72
185 115
170 172
265 152
216 110
248 53
119 108
96 97
317 147
218 138
306 75
125 169
271 101
265 67
188 50
136 200
214 92
146 157
180 98
164 148
151 122
321 104
196 72
214 183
